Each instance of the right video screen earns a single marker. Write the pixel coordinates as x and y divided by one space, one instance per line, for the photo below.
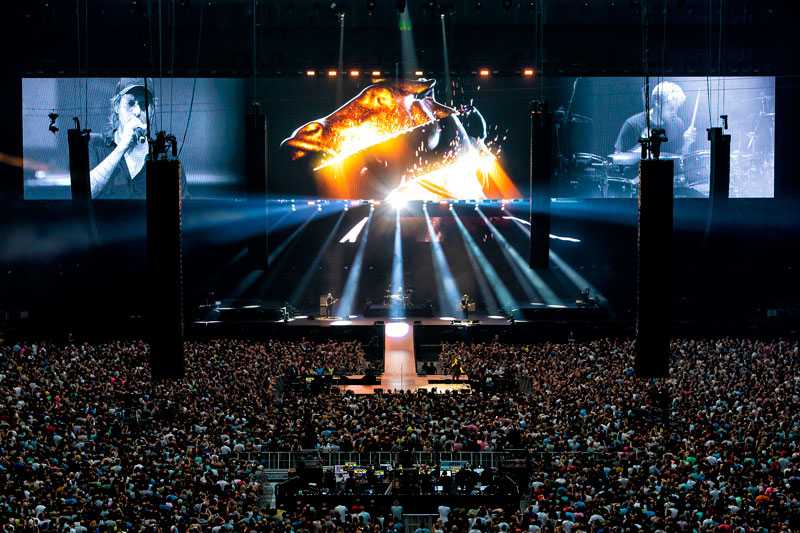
599 121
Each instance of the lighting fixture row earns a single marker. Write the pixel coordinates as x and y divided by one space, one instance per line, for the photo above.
355 73
355 203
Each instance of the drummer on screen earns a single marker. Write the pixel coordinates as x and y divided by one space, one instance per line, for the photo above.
666 100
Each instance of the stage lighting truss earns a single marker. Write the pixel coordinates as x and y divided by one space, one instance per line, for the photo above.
376 74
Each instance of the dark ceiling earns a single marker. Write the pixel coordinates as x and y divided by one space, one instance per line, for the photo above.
216 36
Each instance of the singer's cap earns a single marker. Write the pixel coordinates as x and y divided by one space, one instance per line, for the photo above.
126 85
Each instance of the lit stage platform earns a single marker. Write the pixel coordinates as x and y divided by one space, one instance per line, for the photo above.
401 342
248 313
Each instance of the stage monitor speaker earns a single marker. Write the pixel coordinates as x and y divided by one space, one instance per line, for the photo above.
418 322
653 314
256 184
164 258
541 173
379 323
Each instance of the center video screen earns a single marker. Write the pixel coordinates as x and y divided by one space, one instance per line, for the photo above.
426 139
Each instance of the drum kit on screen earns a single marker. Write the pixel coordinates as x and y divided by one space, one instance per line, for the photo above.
584 174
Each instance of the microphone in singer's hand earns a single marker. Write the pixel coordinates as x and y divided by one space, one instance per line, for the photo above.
141 135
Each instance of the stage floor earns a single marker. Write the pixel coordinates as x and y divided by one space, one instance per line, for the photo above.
362 321
400 364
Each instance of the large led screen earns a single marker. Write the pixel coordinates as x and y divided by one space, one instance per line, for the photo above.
429 140
393 140
600 122
205 115
359 137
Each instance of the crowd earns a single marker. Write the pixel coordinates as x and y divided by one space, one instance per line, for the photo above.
86 438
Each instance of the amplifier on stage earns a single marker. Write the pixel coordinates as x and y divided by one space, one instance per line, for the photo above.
323 304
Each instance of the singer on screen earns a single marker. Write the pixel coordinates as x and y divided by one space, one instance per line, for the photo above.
117 157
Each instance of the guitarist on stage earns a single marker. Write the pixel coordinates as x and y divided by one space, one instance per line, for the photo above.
465 302
329 301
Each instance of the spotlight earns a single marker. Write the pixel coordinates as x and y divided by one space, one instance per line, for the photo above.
528 72
478 5
418 73
332 73
398 203
370 6
311 73
484 72
376 73
354 73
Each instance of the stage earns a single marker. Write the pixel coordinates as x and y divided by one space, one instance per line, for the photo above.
403 343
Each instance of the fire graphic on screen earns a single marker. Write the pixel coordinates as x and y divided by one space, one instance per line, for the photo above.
394 141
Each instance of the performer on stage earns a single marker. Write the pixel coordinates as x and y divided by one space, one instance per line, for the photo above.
329 301
117 157
465 305
667 98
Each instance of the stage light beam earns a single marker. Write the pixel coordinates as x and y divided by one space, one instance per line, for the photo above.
527 277
279 250
350 291
297 294
352 235
408 52
446 288
484 271
397 302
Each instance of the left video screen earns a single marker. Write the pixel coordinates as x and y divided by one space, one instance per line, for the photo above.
206 115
